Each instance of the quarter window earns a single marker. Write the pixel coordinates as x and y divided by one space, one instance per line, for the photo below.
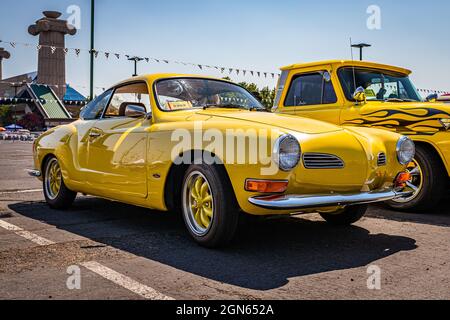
311 89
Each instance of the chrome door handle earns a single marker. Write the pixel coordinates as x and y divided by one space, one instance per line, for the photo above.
94 134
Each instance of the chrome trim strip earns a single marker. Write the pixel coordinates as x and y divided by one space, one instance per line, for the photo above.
298 202
34 173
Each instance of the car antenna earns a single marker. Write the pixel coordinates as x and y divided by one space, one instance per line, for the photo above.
353 65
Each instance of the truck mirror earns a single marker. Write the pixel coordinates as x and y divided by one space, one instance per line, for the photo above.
360 95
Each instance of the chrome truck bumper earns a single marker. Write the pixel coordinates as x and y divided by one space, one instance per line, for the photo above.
299 202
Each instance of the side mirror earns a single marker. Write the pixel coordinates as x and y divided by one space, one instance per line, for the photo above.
432 97
360 95
135 111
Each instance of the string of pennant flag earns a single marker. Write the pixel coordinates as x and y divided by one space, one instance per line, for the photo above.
27 100
107 55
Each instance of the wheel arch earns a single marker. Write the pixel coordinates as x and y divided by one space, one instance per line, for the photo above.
435 151
176 173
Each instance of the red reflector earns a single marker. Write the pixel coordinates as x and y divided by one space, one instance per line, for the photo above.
266 186
402 178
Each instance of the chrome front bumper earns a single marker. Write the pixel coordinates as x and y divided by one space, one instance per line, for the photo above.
299 202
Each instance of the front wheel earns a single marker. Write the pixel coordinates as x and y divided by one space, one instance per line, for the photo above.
346 216
209 207
57 195
428 182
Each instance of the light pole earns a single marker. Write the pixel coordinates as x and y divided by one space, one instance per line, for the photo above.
361 46
136 60
91 86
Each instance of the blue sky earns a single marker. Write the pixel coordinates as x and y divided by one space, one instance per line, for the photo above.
260 35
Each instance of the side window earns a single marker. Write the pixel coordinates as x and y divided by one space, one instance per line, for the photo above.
95 108
136 93
311 89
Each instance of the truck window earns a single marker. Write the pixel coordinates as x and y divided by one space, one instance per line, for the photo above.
310 89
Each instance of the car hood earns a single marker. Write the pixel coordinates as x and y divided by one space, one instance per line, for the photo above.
282 121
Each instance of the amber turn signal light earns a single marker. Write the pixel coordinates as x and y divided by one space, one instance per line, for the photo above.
266 186
402 178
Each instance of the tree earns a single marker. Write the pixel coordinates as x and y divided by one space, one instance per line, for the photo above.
6 116
31 121
265 95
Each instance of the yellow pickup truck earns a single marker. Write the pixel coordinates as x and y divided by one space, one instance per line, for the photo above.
357 93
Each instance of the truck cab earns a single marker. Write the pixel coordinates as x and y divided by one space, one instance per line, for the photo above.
367 94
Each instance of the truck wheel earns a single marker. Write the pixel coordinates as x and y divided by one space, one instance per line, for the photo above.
428 181
57 195
209 208
345 217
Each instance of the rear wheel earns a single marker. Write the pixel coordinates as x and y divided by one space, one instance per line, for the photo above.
428 182
346 216
209 207
57 195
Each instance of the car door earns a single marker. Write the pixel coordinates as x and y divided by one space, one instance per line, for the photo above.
88 117
117 150
312 94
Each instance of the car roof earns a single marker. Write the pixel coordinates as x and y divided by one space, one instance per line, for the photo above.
342 63
149 78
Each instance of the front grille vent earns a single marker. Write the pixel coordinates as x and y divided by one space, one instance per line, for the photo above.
322 161
381 159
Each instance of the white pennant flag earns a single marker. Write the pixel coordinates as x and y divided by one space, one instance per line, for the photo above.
53 49
65 50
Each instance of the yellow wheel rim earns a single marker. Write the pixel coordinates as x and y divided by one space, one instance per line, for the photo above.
415 184
53 179
198 203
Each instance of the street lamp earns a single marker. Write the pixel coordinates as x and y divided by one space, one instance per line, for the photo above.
136 60
361 46
91 85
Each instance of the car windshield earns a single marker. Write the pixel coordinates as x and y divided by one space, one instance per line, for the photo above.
191 93
379 85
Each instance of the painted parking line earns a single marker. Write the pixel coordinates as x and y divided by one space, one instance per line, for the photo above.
105 272
26 234
20 191
124 281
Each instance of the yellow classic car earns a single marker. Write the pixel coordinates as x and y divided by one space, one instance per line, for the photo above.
366 94
207 148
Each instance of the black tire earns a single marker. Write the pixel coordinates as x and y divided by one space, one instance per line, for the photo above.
347 216
224 222
434 183
64 198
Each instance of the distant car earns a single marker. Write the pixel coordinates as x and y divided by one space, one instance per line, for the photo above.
126 147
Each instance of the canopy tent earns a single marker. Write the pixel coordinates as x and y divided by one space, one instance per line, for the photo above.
13 127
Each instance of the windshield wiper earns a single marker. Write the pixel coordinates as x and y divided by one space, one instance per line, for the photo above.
394 100
229 106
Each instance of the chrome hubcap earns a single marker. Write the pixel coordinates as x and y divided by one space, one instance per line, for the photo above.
415 184
53 179
198 205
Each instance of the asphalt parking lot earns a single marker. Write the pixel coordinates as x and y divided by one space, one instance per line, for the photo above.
125 252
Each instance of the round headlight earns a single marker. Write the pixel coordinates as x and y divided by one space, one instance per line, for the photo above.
287 152
406 150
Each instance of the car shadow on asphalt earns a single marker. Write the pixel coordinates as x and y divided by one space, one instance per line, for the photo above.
437 216
264 256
